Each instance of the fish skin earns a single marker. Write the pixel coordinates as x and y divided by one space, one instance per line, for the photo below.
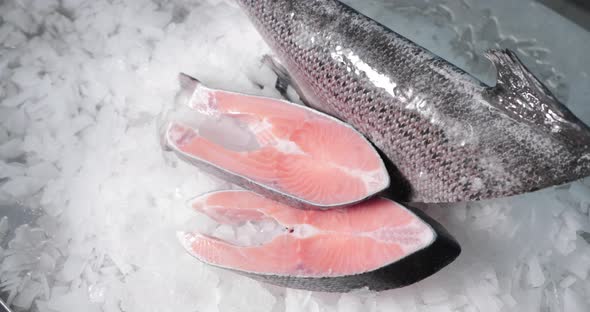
448 137
415 267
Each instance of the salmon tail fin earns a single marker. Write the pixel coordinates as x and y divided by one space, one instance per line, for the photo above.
523 97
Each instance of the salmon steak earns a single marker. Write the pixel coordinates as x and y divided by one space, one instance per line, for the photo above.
377 244
289 156
285 151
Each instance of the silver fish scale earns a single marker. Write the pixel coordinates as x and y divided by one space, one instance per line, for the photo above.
449 137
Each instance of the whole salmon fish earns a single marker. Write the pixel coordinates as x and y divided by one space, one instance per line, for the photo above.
448 136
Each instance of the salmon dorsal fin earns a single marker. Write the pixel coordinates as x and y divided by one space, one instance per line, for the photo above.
520 95
512 73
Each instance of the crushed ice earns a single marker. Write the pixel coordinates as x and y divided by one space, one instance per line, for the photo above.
82 85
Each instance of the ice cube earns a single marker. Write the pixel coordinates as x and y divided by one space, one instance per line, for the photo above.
438 308
46 262
244 236
20 187
3 132
567 281
80 123
48 224
9 170
434 295
30 291
349 303
574 302
18 99
43 170
579 191
246 295
483 299
17 262
578 263
11 149
46 6
72 268
572 220
224 232
3 228
16 122
508 300
387 304
535 276
74 301
268 226
26 237
565 240
398 300
96 293
300 300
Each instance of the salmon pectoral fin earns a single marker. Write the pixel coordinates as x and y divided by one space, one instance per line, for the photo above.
284 79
